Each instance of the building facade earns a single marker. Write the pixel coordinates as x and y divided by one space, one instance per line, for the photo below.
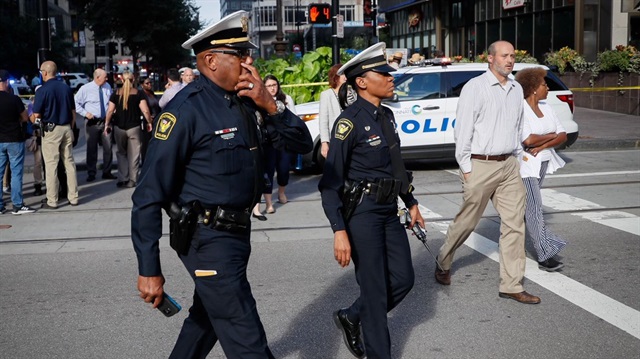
467 27
298 31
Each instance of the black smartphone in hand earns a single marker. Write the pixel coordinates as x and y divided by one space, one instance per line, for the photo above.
169 306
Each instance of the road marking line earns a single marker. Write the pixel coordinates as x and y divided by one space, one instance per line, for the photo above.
594 302
568 175
427 213
615 219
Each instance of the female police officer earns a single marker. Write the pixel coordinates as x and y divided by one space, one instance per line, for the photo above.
363 175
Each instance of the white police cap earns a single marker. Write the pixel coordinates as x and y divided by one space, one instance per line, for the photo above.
370 59
231 31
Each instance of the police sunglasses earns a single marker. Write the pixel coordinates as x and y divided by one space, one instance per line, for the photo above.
240 53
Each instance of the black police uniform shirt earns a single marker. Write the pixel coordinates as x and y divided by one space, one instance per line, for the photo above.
199 151
358 150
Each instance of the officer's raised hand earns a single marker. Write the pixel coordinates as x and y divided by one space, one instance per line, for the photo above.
250 85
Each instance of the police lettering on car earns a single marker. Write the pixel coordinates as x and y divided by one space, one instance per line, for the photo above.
204 167
363 176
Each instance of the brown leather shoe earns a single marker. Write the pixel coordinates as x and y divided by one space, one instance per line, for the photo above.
443 278
522 297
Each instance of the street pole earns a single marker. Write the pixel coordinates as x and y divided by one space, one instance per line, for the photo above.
335 6
44 43
374 21
280 44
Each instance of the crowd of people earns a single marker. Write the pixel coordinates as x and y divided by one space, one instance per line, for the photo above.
227 134
107 121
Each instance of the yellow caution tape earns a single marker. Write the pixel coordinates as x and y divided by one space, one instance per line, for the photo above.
309 84
601 89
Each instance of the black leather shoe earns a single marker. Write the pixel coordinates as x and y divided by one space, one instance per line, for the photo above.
550 265
108 175
260 217
350 333
91 178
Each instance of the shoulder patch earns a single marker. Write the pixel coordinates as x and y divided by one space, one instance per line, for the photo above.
165 125
343 128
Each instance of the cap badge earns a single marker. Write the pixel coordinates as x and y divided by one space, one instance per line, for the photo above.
244 21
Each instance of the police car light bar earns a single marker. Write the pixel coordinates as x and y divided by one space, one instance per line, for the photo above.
442 61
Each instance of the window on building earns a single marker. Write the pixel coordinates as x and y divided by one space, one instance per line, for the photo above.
268 16
563 29
101 49
543 36
348 11
509 30
525 34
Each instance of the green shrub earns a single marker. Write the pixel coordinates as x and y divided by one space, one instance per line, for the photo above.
561 59
312 68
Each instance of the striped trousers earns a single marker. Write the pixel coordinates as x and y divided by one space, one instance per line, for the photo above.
546 243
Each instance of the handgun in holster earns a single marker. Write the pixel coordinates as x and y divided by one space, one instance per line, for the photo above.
182 225
351 198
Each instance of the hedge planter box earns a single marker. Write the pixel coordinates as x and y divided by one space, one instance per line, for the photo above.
604 95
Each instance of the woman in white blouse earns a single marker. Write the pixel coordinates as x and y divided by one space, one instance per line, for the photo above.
329 107
542 132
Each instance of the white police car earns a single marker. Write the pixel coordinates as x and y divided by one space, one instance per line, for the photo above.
75 80
425 104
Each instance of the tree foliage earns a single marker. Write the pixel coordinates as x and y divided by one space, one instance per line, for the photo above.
152 28
19 39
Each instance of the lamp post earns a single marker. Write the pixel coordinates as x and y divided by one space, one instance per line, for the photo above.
280 44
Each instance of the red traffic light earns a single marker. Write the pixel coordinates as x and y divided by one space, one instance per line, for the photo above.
320 13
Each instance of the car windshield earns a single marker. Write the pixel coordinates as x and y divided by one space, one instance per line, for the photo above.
411 87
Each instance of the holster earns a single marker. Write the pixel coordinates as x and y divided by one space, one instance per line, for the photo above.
230 220
49 126
182 225
386 190
351 198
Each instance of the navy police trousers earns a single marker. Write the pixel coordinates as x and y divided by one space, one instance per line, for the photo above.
223 307
384 270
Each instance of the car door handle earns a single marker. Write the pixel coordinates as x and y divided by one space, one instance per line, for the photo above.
431 108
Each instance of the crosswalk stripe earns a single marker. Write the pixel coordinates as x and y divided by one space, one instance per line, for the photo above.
594 302
615 219
591 174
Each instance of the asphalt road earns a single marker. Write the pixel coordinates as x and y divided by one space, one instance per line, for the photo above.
68 277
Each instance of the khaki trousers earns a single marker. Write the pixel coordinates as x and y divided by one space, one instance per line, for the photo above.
55 145
128 144
500 182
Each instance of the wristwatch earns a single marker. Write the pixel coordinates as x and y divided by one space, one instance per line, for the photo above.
280 107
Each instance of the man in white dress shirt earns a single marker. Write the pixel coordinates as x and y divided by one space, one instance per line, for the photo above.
489 121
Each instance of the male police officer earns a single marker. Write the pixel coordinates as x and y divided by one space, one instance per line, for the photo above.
205 156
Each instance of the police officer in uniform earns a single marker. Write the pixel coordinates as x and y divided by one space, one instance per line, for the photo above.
205 158
363 176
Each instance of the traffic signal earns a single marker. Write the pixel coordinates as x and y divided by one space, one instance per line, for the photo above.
320 13
113 48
